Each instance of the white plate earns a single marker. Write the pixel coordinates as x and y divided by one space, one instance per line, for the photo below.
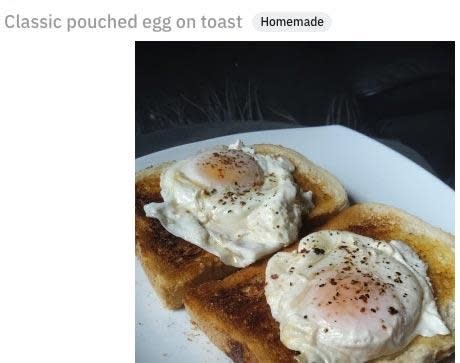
369 171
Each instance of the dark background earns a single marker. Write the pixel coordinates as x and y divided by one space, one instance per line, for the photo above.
398 91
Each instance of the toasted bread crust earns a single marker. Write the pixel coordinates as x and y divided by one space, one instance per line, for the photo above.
226 307
234 313
173 265
329 196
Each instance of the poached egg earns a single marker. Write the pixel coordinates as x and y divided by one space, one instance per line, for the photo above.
343 297
232 202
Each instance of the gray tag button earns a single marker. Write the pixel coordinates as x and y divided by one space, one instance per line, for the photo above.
292 22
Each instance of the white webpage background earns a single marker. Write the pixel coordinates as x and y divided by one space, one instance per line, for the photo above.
67 259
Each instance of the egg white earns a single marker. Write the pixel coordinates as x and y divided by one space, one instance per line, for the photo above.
239 224
343 297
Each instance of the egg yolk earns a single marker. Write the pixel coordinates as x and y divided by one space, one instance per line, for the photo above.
353 300
228 168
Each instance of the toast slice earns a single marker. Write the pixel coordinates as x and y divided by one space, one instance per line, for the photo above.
235 315
173 264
